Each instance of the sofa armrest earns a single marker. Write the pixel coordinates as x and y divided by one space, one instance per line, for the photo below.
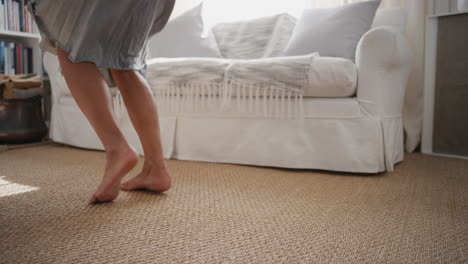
51 63
52 66
384 62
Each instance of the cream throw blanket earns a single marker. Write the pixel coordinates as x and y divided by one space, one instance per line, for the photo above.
268 87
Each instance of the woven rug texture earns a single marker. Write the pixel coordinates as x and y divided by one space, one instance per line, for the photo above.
223 213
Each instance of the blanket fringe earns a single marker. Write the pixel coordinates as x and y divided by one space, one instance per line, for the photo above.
233 98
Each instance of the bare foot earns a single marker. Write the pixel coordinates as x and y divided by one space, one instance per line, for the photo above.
119 163
151 178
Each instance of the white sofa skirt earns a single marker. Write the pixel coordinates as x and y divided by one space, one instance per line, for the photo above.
336 134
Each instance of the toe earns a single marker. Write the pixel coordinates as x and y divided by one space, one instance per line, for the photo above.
93 200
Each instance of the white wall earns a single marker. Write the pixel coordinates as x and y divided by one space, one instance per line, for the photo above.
442 6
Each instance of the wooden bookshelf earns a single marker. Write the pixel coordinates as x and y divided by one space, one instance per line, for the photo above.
17 26
19 34
28 40
28 36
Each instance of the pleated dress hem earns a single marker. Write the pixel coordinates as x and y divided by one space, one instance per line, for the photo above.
74 26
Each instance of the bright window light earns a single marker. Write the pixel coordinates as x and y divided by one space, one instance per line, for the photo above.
8 188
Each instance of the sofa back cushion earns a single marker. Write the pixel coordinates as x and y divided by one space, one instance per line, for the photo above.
182 37
332 32
255 38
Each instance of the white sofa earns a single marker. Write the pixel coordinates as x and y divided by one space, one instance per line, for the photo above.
360 131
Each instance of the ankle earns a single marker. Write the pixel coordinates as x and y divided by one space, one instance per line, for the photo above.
155 164
116 148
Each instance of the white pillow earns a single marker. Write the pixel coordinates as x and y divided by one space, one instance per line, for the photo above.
182 37
250 39
332 32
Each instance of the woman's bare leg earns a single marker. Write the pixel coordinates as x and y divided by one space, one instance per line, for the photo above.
143 114
92 95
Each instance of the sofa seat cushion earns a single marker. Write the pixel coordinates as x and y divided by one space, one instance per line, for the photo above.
315 76
332 77
336 108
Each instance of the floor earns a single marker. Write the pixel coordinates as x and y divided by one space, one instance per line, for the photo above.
223 213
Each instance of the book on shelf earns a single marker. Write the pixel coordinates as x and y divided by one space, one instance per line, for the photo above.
15 58
15 17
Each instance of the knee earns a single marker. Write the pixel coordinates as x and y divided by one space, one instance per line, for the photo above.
123 77
123 74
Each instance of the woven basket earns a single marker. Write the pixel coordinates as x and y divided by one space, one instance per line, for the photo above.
19 81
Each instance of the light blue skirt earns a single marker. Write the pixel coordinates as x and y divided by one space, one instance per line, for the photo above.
112 34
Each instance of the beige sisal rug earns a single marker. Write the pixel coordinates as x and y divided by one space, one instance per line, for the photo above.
219 213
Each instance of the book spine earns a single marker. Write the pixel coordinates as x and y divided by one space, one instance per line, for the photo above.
31 21
21 15
2 57
6 15
30 60
5 12
25 60
11 52
9 11
23 56
2 15
16 16
26 20
13 14
7 60
15 58
18 58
